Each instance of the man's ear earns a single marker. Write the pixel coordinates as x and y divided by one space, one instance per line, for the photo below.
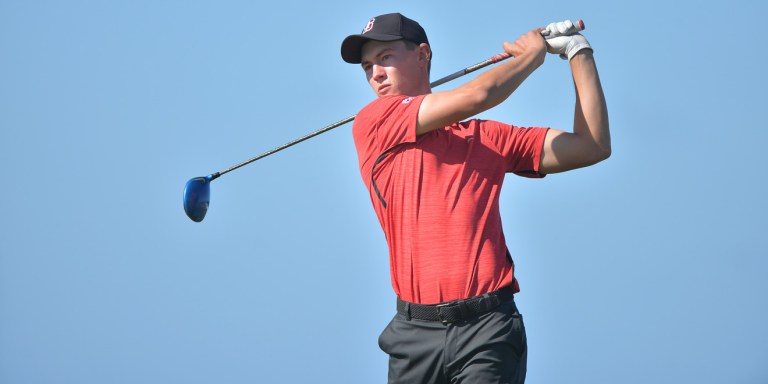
425 53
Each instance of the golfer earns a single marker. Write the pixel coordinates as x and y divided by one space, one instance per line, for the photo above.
434 176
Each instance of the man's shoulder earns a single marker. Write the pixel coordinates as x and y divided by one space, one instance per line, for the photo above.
387 104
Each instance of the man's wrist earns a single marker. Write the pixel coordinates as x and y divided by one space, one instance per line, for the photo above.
582 54
582 62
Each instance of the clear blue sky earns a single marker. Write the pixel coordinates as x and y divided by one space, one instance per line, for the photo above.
649 267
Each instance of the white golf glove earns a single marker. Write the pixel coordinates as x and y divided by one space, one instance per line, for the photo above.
564 39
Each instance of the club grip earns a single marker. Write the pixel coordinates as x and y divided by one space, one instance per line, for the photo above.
578 26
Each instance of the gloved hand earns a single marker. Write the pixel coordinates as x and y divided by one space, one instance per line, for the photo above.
565 46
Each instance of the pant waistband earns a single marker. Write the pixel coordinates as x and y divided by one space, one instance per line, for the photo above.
455 311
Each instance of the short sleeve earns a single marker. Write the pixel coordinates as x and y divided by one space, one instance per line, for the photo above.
521 147
384 123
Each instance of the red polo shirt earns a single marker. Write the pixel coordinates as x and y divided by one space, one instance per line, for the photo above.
437 197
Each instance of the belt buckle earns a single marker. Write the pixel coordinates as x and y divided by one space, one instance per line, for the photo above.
438 308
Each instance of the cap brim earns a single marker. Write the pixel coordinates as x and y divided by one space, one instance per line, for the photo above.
352 46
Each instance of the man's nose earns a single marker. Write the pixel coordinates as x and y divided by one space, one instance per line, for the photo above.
377 72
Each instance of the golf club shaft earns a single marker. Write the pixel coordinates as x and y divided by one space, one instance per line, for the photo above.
493 60
286 145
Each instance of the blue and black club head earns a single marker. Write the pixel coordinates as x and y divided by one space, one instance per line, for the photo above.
197 196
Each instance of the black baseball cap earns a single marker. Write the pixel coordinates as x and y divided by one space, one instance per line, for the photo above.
389 27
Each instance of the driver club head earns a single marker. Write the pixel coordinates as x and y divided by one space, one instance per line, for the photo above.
197 195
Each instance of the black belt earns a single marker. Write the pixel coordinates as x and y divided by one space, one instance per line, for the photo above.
455 311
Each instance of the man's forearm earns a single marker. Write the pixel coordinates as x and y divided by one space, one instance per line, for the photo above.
499 83
591 115
484 92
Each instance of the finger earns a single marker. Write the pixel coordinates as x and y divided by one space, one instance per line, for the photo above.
551 27
511 48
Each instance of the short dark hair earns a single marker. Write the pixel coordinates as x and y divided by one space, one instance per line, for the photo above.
410 45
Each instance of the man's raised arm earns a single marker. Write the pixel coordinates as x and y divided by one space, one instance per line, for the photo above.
590 141
485 91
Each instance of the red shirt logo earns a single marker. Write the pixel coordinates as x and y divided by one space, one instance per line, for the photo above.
369 26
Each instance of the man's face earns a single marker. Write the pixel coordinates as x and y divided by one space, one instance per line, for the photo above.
392 69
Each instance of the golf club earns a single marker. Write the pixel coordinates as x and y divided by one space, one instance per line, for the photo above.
197 191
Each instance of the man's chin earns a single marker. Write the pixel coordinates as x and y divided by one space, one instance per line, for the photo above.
384 91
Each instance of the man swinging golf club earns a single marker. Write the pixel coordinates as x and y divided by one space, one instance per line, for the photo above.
434 180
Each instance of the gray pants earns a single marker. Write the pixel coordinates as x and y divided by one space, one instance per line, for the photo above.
490 348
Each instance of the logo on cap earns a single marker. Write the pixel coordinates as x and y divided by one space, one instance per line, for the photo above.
368 26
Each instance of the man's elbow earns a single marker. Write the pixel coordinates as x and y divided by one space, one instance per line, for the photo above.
603 153
601 146
598 154
594 155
